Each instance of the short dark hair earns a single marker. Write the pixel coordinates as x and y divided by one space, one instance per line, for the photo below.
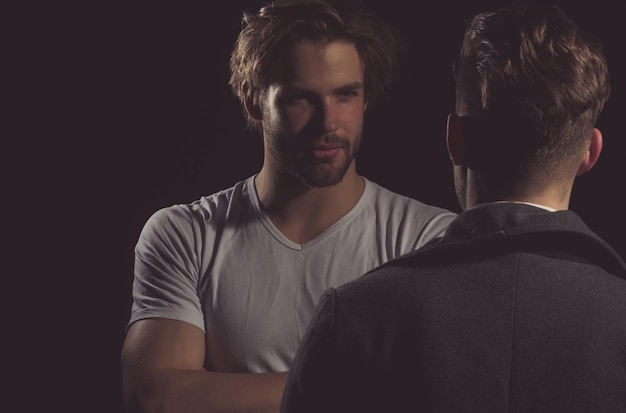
538 81
282 22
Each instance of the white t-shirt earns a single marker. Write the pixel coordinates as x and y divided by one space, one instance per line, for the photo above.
221 265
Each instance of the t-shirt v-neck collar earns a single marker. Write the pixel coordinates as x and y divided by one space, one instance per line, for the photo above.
271 228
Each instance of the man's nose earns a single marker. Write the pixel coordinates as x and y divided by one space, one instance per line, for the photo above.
329 120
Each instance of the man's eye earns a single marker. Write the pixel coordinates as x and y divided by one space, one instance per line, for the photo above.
348 94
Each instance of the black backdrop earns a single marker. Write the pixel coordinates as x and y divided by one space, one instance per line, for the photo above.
128 111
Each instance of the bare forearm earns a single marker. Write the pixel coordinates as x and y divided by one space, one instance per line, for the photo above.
185 391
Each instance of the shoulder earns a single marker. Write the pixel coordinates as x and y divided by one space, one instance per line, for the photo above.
384 285
185 219
387 201
204 208
411 218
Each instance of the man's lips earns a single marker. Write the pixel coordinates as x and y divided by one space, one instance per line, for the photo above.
325 152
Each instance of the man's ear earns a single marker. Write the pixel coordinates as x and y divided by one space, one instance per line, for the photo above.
592 154
250 102
455 140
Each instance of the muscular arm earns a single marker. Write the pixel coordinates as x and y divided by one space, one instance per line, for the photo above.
162 365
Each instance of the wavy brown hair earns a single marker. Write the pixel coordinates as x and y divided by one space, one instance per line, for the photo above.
265 34
539 83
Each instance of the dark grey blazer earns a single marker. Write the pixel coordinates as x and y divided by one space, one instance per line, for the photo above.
516 309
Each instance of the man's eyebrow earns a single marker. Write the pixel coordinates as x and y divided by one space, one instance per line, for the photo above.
349 87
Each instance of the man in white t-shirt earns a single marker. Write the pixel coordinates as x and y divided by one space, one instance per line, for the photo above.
225 287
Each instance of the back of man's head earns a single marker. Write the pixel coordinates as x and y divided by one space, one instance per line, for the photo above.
535 85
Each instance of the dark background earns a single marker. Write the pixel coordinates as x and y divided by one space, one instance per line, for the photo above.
120 111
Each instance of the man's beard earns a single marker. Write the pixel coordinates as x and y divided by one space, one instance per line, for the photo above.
322 174
317 173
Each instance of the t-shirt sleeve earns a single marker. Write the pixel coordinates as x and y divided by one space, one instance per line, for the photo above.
166 269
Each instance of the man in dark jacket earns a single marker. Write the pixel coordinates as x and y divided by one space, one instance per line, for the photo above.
520 307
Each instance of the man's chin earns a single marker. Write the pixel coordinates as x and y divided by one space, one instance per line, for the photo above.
322 176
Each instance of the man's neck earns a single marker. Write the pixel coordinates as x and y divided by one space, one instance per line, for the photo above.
301 212
549 203
547 208
553 195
